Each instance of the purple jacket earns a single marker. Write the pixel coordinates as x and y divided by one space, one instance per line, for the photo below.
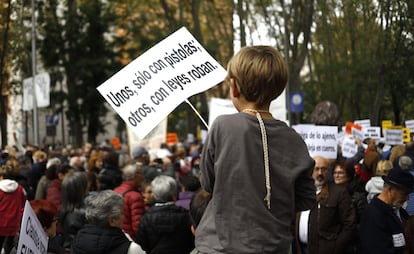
184 199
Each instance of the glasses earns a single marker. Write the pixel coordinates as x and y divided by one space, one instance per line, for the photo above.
323 169
339 173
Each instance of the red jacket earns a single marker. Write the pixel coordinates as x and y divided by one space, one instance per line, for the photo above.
12 199
133 207
53 193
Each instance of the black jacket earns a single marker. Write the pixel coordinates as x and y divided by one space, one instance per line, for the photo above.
166 229
100 240
109 178
72 222
381 230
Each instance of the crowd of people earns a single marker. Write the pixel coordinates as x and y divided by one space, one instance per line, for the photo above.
150 188
252 187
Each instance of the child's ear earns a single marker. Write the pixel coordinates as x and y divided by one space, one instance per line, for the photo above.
234 89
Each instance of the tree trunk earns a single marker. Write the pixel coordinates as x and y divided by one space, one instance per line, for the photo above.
3 82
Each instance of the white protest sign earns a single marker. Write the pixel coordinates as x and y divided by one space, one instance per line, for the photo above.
321 140
278 107
410 125
42 88
363 123
372 132
220 107
349 147
33 238
393 137
154 84
152 140
358 134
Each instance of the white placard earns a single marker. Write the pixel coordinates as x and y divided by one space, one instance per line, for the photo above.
410 125
363 123
42 88
154 84
220 107
321 140
372 132
349 147
33 238
357 134
393 137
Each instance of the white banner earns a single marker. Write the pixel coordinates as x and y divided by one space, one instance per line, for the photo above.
220 107
42 85
321 140
33 238
152 141
349 147
372 132
154 84
393 137
410 125
363 123
358 134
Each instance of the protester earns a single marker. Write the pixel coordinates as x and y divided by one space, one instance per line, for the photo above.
95 163
141 156
165 227
189 185
375 184
133 202
147 195
93 185
77 163
54 191
103 234
344 173
47 214
198 205
44 182
12 200
329 225
38 169
110 176
382 223
72 214
257 169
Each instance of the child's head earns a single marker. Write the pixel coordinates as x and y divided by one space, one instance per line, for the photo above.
259 72
198 205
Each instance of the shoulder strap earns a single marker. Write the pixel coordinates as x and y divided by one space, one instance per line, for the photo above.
125 192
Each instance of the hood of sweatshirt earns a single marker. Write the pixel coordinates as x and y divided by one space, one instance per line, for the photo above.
8 185
375 184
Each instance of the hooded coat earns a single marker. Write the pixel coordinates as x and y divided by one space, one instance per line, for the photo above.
12 200
373 187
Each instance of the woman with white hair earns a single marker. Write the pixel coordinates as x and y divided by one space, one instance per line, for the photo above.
165 227
103 233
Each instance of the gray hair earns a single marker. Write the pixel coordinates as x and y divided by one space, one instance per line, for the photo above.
105 205
405 162
128 172
164 188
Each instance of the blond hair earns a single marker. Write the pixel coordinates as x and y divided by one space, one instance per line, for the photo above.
383 167
259 72
39 156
